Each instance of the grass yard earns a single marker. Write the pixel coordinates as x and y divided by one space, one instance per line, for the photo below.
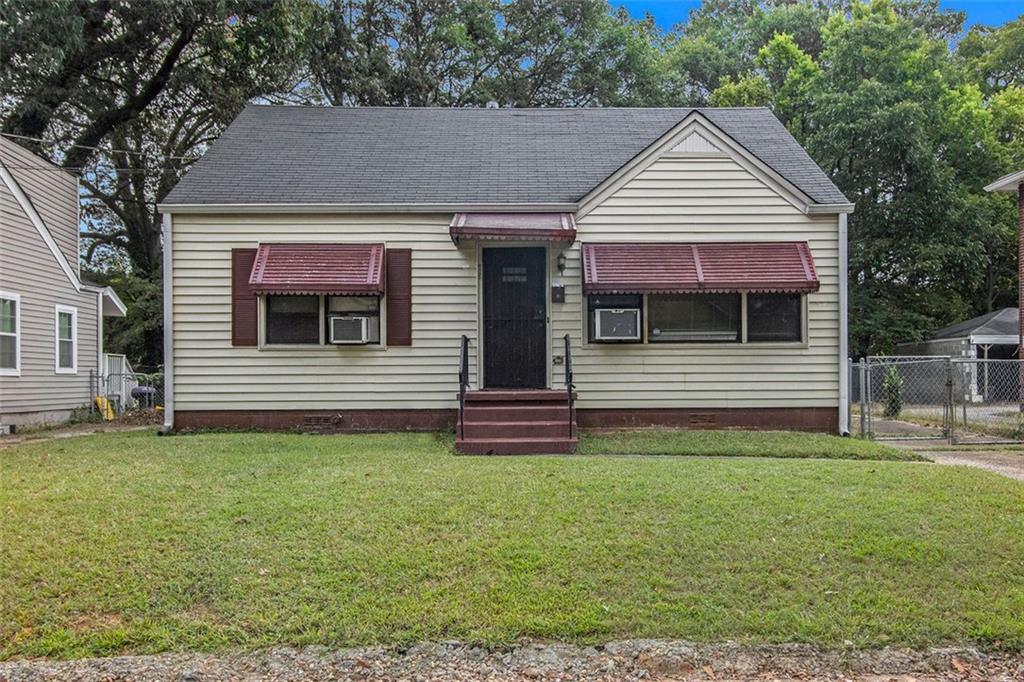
121 543
738 443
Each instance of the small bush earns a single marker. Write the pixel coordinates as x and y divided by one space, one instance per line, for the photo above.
85 415
892 393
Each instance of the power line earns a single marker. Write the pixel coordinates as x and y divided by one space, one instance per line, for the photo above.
98 149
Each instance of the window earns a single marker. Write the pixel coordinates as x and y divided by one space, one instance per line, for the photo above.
696 318
66 340
10 335
356 306
774 317
619 324
293 320
693 317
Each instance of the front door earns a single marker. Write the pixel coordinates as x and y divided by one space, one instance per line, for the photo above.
515 318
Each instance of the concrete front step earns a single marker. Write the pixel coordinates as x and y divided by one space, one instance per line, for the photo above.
516 446
517 429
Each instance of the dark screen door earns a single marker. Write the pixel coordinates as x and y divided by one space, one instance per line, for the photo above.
515 318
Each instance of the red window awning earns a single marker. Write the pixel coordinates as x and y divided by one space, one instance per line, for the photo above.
718 267
545 227
338 269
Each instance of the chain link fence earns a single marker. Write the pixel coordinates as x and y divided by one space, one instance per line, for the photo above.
131 397
962 400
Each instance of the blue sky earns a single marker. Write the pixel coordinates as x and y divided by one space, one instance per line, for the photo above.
670 12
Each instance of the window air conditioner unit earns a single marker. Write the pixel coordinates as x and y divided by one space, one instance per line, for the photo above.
617 324
348 329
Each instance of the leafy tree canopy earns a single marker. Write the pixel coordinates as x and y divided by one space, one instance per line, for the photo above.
910 116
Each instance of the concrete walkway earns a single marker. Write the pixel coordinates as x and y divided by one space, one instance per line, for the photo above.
1003 461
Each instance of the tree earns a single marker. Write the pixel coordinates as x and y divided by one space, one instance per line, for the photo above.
128 95
520 53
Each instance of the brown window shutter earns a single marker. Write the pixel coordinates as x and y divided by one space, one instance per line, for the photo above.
244 303
399 296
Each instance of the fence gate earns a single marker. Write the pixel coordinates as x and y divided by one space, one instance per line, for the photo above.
962 400
906 397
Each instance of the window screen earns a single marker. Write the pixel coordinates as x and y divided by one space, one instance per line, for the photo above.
293 319
774 317
693 317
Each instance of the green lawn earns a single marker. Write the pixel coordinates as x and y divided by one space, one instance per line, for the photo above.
132 543
741 443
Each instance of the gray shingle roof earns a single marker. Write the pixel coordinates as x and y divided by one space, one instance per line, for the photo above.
1001 322
345 155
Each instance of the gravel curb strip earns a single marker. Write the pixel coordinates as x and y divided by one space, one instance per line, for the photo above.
624 660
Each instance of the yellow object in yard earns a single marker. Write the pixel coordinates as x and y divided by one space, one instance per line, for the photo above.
105 408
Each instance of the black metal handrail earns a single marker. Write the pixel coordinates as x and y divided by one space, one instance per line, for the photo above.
569 385
463 382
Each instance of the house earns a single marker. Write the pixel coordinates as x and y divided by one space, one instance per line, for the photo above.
51 322
343 269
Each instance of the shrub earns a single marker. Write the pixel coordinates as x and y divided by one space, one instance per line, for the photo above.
892 393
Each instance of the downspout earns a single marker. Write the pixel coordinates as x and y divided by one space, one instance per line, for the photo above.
844 345
168 268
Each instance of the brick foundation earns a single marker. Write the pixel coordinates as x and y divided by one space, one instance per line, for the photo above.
818 419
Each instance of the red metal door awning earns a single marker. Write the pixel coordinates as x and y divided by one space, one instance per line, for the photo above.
543 227
712 267
338 269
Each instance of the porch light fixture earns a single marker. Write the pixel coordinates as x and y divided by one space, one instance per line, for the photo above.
561 263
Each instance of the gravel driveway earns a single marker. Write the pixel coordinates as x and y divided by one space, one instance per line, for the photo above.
626 660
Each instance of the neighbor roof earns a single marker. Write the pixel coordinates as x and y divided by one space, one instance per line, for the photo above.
385 155
997 323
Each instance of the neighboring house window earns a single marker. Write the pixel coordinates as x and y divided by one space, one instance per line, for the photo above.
10 334
293 320
698 318
693 317
67 340
352 308
774 317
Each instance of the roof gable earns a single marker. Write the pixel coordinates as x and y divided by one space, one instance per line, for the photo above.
23 201
373 157
694 136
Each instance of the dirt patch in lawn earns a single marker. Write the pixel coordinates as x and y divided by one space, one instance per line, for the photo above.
626 660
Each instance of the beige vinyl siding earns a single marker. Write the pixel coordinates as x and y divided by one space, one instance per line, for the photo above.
676 199
209 373
29 269
704 199
53 192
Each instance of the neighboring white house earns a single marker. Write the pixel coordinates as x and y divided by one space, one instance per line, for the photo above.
323 264
51 322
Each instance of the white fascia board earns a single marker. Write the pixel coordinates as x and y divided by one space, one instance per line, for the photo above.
368 208
696 122
993 339
37 222
818 209
1007 183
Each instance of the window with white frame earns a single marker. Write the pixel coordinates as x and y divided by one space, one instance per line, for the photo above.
10 334
66 340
